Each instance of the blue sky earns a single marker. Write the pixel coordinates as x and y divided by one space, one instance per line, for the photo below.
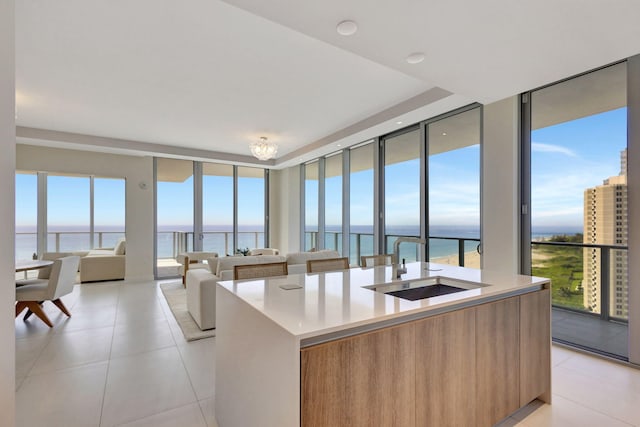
570 157
453 200
68 202
175 203
566 159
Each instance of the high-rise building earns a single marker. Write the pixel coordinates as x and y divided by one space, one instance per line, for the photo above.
605 223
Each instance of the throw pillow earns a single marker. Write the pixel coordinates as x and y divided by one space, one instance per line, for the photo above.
120 248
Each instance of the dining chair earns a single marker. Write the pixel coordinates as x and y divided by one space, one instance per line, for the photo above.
373 260
34 292
327 264
255 271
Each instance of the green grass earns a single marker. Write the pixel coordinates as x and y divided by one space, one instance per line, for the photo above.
563 265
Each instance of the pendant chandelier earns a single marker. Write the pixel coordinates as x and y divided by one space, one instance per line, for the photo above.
263 149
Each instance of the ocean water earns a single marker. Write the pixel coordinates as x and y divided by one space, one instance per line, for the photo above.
171 240
362 236
176 239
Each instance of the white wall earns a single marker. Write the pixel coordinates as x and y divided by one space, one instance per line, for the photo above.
7 212
285 209
139 202
500 177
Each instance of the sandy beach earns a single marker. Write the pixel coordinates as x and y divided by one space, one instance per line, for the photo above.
471 259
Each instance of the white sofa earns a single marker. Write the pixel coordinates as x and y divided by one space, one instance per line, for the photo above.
97 264
201 285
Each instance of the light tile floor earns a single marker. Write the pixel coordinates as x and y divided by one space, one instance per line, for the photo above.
122 360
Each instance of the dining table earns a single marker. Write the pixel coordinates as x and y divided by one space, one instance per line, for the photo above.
35 264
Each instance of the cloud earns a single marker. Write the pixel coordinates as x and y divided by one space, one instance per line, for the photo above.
550 148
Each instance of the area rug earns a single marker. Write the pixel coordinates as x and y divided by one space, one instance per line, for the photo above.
176 296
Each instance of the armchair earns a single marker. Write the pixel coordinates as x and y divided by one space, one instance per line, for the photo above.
194 260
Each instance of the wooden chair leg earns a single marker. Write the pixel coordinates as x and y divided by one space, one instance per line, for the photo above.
61 306
187 261
20 306
29 312
37 310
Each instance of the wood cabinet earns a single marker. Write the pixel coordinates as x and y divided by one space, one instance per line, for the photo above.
366 380
445 370
535 348
497 360
470 367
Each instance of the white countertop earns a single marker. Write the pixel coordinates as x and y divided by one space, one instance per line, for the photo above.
334 301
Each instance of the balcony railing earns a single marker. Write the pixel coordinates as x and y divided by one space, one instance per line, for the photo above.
362 244
172 243
602 293
65 241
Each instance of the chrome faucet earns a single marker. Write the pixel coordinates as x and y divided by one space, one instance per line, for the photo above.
402 269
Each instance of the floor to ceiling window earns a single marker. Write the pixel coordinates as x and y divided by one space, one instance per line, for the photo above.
402 191
217 208
174 212
68 213
454 188
108 211
26 215
385 180
333 202
579 223
361 202
311 196
251 208
228 214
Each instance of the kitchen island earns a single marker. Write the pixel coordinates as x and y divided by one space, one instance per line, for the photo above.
338 351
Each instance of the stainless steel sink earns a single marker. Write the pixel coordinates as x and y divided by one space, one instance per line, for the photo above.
424 288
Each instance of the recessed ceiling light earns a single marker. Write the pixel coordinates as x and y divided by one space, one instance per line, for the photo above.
339 145
415 58
399 122
347 28
444 134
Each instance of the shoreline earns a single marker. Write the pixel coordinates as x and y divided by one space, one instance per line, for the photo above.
471 259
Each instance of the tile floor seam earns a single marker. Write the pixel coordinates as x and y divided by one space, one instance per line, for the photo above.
106 377
605 379
63 370
193 388
595 410
157 413
35 360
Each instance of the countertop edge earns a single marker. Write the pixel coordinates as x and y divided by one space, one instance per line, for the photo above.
331 334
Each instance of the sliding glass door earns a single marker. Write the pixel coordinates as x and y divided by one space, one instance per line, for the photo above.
579 217
333 202
402 188
361 202
211 207
311 207
251 208
217 208
454 189
174 213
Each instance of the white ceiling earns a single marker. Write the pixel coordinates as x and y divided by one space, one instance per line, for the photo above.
211 76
